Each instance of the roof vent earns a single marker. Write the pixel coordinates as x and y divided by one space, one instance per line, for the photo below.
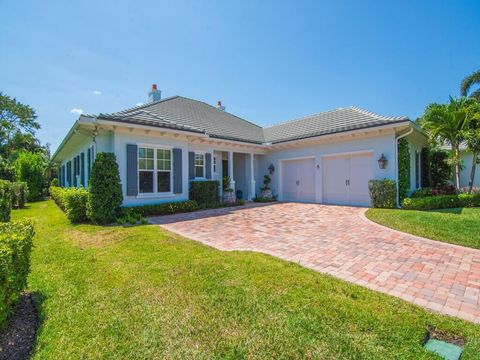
219 105
154 94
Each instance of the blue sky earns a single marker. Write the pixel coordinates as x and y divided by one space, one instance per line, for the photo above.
268 61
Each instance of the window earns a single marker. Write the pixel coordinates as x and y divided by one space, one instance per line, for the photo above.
154 170
214 164
199 165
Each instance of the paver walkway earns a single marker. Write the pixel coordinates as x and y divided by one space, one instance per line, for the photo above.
340 241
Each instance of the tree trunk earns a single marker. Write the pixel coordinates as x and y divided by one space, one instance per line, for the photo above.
456 163
472 173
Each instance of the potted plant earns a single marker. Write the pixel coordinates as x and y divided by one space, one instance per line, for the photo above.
265 189
228 193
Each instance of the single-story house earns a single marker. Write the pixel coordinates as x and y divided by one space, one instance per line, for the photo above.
466 157
163 145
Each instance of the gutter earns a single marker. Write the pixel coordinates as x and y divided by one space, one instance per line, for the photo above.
396 162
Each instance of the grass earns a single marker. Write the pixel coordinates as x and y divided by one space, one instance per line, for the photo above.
455 226
141 292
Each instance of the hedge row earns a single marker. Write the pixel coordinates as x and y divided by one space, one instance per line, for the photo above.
12 195
205 193
15 248
71 200
441 202
163 209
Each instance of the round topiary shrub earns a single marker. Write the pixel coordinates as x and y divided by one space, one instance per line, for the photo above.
105 191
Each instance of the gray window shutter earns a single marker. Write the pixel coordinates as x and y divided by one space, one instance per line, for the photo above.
82 169
89 162
132 173
177 171
208 165
191 165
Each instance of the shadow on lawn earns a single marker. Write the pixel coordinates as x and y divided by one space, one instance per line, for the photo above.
456 211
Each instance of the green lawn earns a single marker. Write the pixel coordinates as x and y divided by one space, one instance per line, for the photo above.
456 226
140 292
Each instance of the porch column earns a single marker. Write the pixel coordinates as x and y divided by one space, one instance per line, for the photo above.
230 169
251 194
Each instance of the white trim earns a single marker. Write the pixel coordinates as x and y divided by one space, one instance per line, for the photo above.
348 153
298 158
280 173
155 171
156 146
204 166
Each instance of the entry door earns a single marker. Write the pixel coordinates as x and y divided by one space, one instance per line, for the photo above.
298 180
345 180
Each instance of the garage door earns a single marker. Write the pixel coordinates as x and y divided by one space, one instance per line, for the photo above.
298 180
345 180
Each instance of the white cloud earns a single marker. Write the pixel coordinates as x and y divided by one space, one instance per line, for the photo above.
77 111
138 104
97 92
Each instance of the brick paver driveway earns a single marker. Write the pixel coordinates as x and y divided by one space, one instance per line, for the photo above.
340 241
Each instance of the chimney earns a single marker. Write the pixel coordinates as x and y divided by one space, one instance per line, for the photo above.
154 94
219 106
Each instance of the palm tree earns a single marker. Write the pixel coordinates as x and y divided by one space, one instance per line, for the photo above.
468 82
444 124
472 138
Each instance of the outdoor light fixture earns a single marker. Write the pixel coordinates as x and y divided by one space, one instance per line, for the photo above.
271 169
382 162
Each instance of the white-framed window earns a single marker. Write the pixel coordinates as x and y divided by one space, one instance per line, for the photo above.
199 165
154 170
417 170
214 164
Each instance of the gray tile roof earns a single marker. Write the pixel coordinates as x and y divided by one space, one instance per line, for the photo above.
329 122
192 115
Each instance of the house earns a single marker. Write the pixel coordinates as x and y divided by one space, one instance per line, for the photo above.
163 145
466 158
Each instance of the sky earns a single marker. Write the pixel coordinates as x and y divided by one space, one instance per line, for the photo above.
268 61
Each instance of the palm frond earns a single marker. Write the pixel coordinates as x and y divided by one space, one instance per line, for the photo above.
468 82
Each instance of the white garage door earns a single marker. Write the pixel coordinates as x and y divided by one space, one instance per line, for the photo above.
298 180
345 180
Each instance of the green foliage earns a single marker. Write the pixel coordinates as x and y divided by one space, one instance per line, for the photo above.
439 169
205 193
105 191
71 200
19 194
441 202
469 82
30 168
15 248
266 183
5 200
403 168
58 195
226 184
54 182
163 209
131 217
383 193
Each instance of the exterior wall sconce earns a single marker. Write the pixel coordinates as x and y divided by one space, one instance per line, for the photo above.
382 162
271 169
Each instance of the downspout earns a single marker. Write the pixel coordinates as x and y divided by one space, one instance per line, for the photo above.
396 162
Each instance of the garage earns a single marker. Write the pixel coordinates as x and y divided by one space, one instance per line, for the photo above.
298 180
345 179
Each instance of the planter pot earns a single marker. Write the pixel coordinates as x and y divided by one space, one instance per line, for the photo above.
229 197
267 194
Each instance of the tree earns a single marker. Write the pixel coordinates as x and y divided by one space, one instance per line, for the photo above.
472 138
444 124
468 83
30 168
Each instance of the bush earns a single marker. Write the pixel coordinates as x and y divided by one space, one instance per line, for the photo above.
54 182
441 202
15 248
19 194
162 209
30 168
58 195
5 200
383 193
76 204
439 169
105 192
205 193
403 168
438 191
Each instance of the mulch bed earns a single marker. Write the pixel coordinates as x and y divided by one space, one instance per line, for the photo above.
18 338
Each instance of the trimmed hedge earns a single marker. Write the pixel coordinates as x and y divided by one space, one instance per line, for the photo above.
403 168
19 194
441 190
15 248
441 202
71 200
5 200
205 193
163 209
383 193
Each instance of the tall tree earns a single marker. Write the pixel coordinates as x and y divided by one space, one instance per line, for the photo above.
468 83
445 125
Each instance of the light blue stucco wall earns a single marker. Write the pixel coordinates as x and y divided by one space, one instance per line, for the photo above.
466 158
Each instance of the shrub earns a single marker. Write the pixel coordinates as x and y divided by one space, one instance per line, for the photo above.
205 193
439 168
5 200
403 168
383 193
162 209
19 194
30 168
438 191
58 195
54 182
76 204
441 202
105 192
15 248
